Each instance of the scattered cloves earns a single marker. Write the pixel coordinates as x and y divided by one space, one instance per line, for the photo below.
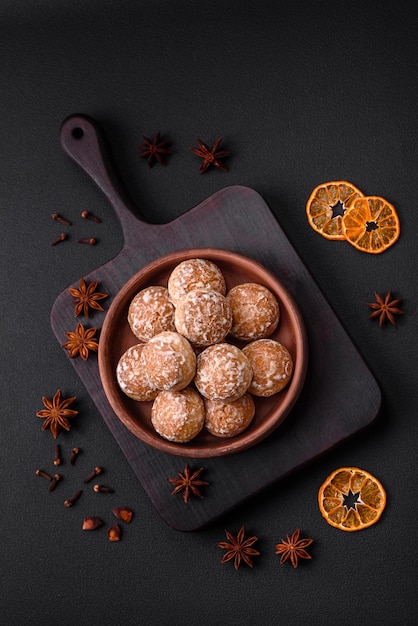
73 498
55 479
123 513
61 237
57 457
74 454
95 472
114 533
91 241
88 216
91 523
59 218
102 489
40 472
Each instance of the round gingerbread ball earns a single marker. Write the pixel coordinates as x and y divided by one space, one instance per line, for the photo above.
204 317
223 372
194 274
178 415
255 311
227 419
151 312
131 375
272 366
169 361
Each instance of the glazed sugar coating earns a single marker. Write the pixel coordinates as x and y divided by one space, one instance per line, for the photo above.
178 415
223 372
194 274
272 366
131 376
227 419
204 317
151 312
169 361
255 311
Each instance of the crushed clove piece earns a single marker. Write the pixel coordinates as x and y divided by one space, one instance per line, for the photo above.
114 532
92 523
123 513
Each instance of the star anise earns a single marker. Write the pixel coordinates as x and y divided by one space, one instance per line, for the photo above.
210 156
154 149
238 548
86 297
385 308
82 340
293 548
56 413
188 483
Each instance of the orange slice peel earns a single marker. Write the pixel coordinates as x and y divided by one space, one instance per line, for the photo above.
322 205
371 224
351 499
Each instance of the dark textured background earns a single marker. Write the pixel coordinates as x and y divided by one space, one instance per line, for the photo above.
302 93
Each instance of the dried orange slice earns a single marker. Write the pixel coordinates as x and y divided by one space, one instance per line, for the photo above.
327 204
371 224
351 499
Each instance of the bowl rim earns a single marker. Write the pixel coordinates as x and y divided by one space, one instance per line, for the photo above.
224 446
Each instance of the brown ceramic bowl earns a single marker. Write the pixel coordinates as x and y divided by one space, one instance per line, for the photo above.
116 336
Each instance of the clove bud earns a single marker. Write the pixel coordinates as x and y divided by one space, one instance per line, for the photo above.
89 216
74 454
95 472
57 457
102 488
73 498
59 218
40 472
55 479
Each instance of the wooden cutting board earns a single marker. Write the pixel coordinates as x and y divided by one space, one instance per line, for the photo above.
340 396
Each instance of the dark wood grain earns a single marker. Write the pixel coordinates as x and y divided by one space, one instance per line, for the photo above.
340 396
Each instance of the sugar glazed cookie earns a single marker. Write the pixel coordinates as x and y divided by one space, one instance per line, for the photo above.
272 366
151 312
204 317
255 311
169 361
227 419
194 274
178 415
131 376
223 372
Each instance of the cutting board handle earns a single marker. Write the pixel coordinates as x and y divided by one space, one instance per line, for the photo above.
83 141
